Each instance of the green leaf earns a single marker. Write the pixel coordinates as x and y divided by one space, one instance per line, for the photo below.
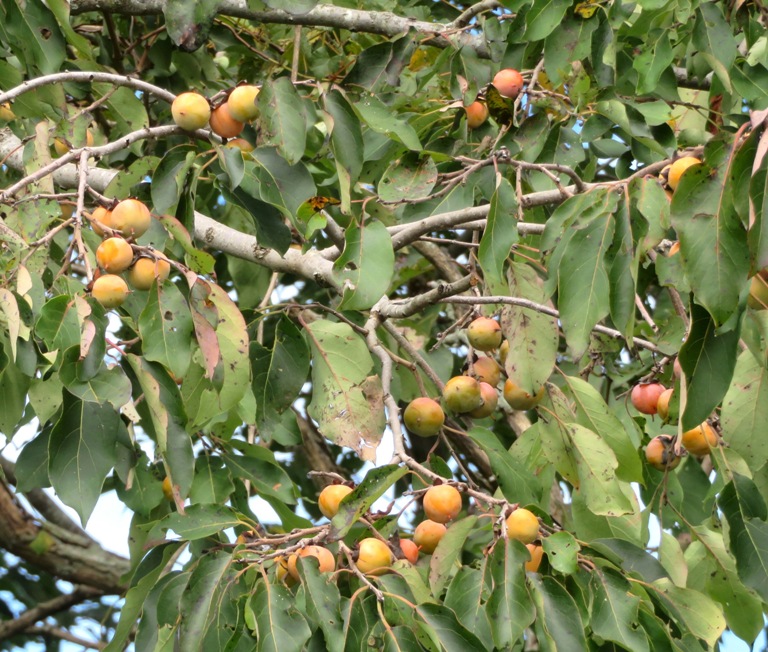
518 484
199 521
596 464
615 613
593 413
127 113
323 605
712 35
713 240
200 601
169 177
347 402
258 465
692 610
165 326
498 237
108 385
282 118
413 176
165 419
562 551
346 144
60 9
380 118
279 627
270 230
366 265
541 18
280 373
189 23
745 411
509 607
708 360
32 463
632 558
280 183
582 277
623 265
558 616
58 325
144 579
212 483
533 336
373 486
34 36
747 515
570 42
451 635
742 607
448 551
81 451
654 57
465 597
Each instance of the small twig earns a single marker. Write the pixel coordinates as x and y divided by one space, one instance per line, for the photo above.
466 16
645 314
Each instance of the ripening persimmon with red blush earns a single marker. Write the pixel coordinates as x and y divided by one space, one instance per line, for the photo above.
487 370
645 397
223 124
490 402
660 453
477 114
518 398
509 82
484 334
410 550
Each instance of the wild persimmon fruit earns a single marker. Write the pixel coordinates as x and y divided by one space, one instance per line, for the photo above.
484 334
242 103
462 394
477 114
645 397
662 405
131 217
523 525
223 124
504 352
373 556
427 535
536 552
146 270
518 398
330 497
191 111
110 291
678 168
101 217
114 255
323 555
423 417
242 144
487 370
410 550
442 503
490 402
167 488
660 453
699 440
509 82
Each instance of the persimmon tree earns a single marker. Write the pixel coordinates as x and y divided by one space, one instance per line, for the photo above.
296 289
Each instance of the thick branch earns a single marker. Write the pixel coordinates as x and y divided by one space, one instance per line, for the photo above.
81 593
68 556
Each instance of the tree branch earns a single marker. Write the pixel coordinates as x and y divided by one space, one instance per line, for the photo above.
9 628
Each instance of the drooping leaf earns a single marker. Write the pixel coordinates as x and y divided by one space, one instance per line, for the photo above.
410 177
558 617
499 236
82 450
448 551
615 615
200 601
365 265
347 402
279 626
532 335
283 118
